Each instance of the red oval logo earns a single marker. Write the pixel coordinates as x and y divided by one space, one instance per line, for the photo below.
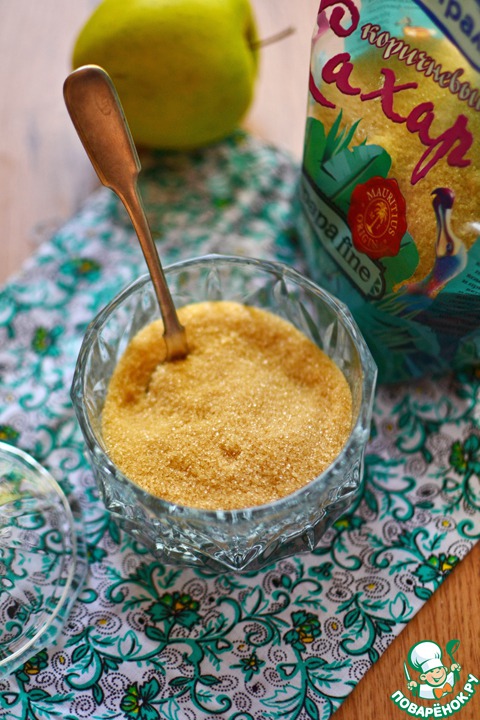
377 217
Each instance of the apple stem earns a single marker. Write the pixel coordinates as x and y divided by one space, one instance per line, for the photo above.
273 38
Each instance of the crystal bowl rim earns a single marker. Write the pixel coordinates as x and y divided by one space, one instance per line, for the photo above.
358 434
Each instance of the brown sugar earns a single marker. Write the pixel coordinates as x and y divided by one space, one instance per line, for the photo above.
405 147
254 412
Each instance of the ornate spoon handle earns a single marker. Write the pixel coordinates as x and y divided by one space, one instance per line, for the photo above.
97 115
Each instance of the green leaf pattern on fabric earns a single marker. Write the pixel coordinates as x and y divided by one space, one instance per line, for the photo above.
148 641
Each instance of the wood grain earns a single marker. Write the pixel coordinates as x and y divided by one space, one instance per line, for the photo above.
45 176
452 612
44 172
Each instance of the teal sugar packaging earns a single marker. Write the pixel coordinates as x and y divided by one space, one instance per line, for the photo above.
390 185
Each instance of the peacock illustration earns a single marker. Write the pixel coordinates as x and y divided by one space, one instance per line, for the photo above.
451 254
397 320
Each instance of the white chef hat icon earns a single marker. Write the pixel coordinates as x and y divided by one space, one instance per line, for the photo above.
425 656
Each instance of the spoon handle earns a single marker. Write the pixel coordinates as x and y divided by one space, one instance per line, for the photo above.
98 118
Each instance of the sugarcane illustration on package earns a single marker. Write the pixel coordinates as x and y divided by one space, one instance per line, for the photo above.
390 185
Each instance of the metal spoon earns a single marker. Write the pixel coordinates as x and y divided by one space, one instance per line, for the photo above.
97 115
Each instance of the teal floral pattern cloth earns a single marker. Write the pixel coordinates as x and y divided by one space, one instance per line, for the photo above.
147 641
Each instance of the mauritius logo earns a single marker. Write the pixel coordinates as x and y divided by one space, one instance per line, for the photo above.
434 676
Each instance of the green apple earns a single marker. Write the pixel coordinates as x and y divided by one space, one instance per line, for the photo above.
184 70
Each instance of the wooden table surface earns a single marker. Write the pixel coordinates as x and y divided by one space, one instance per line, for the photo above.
45 176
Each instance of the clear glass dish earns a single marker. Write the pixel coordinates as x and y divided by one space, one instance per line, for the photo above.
42 558
246 539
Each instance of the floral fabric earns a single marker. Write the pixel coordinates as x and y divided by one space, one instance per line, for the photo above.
147 641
